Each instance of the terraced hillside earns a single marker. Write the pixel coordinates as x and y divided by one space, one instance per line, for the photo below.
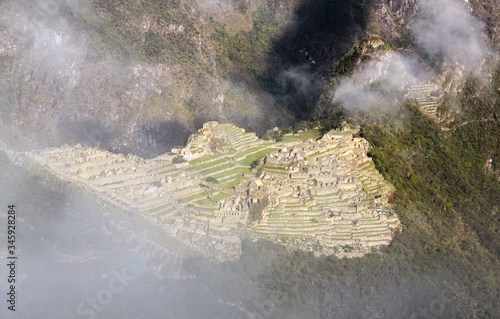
428 98
97 223
322 195
326 196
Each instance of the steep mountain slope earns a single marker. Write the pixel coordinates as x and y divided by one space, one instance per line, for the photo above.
145 74
140 76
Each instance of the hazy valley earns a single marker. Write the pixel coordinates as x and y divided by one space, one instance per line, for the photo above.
370 188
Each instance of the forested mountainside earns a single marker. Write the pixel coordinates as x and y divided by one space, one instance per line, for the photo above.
146 74
421 79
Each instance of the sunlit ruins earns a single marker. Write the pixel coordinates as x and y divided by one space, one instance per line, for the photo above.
322 195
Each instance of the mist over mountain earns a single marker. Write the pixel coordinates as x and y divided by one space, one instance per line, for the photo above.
136 70
419 79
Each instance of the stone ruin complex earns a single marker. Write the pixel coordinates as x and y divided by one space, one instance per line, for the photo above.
320 195
325 196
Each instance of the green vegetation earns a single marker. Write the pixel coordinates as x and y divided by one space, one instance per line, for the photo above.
346 65
213 199
202 159
448 204
234 171
257 156
234 182
257 209
217 168
273 135
195 196
211 180
178 159
154 44
254 164
330 114
245 51
159 208
205 164
444 264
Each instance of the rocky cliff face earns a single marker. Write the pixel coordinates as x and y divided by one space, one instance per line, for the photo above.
403 8
141 76
144 75
419 44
